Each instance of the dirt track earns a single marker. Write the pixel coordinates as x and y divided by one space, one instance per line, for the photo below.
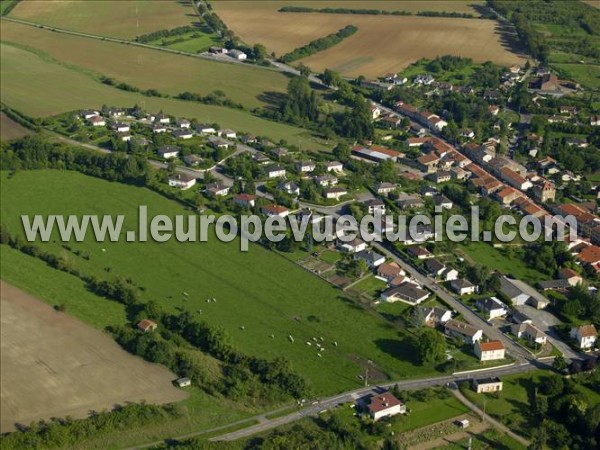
53 365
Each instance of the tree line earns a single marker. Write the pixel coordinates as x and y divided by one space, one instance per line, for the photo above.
374 12
320 44
160 34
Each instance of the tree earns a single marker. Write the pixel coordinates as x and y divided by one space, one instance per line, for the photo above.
259 52
417 317
342 151
430 346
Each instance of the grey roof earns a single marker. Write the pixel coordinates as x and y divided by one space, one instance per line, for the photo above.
434 265
554 284
368 255
509 289
407 290
490 303
461 283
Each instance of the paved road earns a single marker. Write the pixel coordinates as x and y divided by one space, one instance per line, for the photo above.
351 396
459 395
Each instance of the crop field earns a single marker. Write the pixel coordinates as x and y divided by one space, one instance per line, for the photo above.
151 69
37 87
9 129
69 367
262 298
124 19
382 43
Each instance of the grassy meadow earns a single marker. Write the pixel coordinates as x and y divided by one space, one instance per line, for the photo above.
151 69
36 87
124 19
257 290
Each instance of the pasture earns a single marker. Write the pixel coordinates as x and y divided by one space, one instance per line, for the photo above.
37 87
54 365
382 44
262 298
123 19
151 69
9 129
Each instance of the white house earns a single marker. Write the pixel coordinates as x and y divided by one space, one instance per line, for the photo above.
585 335
162 118
205 129
246 200
487 385
463 286
449 274
516 295
335 166
182 181
168 151
305 166
275 210
184 123
275 171
229 134
373 259
88 114
183 382
407 293
97 121
289 187
217 189
491 307
326 180
238 54
529 332
385 405
468 333
121 127
489 351
434 316
335 193
183 134
354 246
159 129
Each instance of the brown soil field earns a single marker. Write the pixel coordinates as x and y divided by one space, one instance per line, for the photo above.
53 365
382 43
151 69
594 3
9 129
116 18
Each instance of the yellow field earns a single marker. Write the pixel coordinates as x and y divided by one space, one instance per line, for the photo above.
40 88
151 69
9 129
122 19
382 43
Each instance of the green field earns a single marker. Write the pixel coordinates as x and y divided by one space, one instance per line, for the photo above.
200 43
37 88
257 290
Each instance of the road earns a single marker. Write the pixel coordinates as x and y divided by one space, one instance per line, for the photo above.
352 396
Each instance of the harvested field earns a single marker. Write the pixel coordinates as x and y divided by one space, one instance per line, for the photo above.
382 43
593 3
9 129
151 69
54 366
123 19
37 88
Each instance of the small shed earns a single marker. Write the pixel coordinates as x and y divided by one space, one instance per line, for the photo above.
147 325
464 423
183 382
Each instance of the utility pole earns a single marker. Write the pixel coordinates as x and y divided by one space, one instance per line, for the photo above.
484 405
366 377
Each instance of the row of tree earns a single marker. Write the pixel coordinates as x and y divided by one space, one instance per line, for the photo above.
320 44
374 12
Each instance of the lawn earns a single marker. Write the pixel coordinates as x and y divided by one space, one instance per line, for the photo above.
488 439
193 42
369 285
150 68
37 87
587 74
330 256
483 253
122 19
259 293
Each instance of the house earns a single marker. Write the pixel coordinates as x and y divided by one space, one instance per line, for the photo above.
463 286
440 176
485 385
572 277
246 200
274 210
435 316
384 188
162 118
514 179
183 134
407 293
326 180
590 256
466 133
97 121
184 124
280 152
227 133
375 111
491 307
389 271
515 294
376 153
168 151
595 121
147 325
289 187
205 129
526 330
556 285
577 142
305 166
385 405
507 195
585 335
182 181
419 253
192 160
121 127
334 166
459 173
409 201
490 350
275 171
158 128
218 50
335 193
261 158
217 142
374 206
468 333
354 246
183 382
217 189
88 114
373 259
435 267
237 54
428 162
443 202
494 110
424 79
544 191
248 139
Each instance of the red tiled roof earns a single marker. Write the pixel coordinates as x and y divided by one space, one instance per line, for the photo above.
383 402
491 346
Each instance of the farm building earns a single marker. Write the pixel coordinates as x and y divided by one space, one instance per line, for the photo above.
183 382
147 325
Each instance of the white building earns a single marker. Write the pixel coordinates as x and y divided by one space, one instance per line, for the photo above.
585 335
385 405
489 351
182 181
